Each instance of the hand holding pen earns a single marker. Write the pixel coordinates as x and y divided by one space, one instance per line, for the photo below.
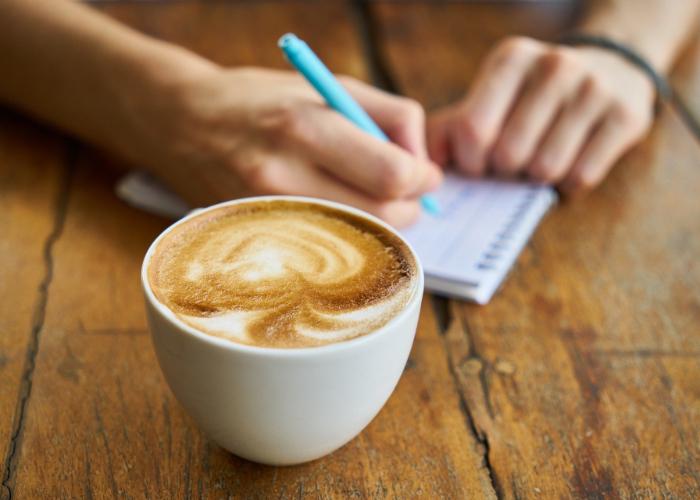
254 131
211 132
336 96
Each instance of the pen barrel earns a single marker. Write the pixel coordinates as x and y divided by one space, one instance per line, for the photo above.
320 77
300 55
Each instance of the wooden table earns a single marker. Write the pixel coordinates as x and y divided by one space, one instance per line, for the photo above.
580 379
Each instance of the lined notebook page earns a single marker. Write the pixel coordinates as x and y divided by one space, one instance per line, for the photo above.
467 250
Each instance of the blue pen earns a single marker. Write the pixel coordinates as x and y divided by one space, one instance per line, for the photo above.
310 66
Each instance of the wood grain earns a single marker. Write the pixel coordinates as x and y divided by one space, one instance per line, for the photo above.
246 33
32 193
582 376
102 423
432 49
580 379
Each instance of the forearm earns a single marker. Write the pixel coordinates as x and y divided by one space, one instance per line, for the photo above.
68 65
657 29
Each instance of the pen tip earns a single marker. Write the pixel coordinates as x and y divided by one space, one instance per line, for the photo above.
286 39
430 205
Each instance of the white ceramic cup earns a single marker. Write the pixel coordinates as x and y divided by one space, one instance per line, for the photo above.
281 406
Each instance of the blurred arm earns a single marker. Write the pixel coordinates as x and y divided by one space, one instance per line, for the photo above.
657 29
83 72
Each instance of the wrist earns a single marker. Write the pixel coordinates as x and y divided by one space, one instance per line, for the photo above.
614 63
612 24
169 69
152 99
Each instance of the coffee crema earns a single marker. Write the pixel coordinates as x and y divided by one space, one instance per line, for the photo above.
282 273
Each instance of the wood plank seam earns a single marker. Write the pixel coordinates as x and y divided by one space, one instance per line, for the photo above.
621 287
475 365
368 35
25 389
383 77
441 307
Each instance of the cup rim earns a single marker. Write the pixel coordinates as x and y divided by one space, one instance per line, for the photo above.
281 352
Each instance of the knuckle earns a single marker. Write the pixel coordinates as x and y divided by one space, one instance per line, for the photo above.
300 130
412 109
560 62
513 49
565 57
509 155
395 179
586 180
554 174
469 131
277 119
260 177
593 88
517 45
287 122
543 170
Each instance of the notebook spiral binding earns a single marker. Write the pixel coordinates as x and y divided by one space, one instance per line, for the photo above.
497 248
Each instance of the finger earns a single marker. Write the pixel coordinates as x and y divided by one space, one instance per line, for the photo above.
604 148
480 117
402 119
438 138
296 176
558 151
553 78
398 213
378 168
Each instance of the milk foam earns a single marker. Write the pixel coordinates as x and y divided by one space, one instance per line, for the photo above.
282 274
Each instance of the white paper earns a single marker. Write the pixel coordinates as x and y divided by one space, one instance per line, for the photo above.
479 233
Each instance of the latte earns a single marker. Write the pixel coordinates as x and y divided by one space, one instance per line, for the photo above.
282 273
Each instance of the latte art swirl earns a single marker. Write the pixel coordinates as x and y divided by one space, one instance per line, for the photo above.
282 274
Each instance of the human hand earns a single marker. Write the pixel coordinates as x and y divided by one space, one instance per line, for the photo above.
557 114
251 131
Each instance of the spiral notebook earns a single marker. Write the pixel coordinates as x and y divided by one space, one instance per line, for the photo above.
466 251
469 248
